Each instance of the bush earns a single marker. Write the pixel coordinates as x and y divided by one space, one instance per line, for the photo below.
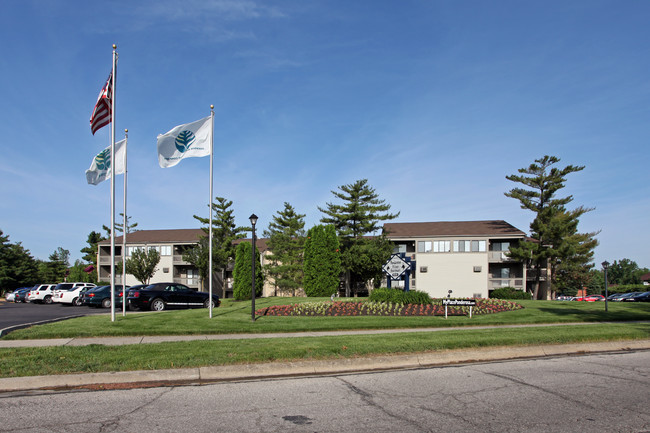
509 293
626 288
398 296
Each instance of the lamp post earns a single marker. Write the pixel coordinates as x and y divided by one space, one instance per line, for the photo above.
605 266
253 220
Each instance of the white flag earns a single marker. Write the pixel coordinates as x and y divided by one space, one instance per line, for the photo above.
184 141
100 169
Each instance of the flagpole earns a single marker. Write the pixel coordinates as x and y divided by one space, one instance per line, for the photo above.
113 185
210 206
125 222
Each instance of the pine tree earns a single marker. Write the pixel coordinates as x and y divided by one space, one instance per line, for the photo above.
224 233
556 241
322 265
119 227
243 272
17 267
286 238
358 217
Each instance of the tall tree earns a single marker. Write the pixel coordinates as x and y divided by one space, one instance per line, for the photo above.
322 265
243 272
286 238
224 233
556 243
119 227
625 271
54 271
17 267
142 264
358 216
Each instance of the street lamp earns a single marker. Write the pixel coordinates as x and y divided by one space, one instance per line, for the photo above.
253 220
605 266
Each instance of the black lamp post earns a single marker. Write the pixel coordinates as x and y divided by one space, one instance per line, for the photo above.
253 220
605 266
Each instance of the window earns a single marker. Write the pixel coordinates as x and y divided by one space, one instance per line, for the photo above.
441 246
500 246
478 246
424 246
166 250
399 248
462 246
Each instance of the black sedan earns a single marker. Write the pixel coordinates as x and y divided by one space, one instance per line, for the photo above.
160 296
641 297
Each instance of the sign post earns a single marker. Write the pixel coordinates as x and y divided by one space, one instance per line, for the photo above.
462 302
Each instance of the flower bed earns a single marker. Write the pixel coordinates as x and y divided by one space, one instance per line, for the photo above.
367 308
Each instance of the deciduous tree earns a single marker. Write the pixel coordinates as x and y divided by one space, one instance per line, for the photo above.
142 264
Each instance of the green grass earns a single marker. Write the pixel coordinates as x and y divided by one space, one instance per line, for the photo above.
97 358
235 317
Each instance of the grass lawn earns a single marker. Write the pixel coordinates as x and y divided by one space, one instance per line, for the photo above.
234 317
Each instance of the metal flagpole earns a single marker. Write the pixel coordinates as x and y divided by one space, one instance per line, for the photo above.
113 185
125 222
210 206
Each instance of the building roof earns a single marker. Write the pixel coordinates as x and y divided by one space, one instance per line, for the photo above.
452 228
645 277
175 236
159 236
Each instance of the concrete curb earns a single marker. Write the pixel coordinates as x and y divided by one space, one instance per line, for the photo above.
309 368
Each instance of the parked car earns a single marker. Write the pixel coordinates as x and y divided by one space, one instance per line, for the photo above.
11 297
70 293
160 296
41 293
101 296
641 297
625 296
614 296
21 294
564 297
592 298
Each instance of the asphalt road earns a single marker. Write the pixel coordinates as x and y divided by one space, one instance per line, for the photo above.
12 314
587 393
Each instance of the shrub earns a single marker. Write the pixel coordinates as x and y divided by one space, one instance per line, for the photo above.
509 293
626 288
398 296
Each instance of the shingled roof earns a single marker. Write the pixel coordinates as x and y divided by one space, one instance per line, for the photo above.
159 236
452 228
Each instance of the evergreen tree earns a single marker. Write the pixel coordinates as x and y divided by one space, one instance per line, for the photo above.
142 264
357 217
243 272
322 265
119 227
90 255
17 267
556 241
78 273
55 270
286 238
224 234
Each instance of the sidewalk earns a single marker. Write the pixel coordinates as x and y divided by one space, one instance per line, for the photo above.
211 374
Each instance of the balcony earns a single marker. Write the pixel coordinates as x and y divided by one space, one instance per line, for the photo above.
106 259
178 260
498 257
495 283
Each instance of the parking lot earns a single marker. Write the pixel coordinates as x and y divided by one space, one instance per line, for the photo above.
16 315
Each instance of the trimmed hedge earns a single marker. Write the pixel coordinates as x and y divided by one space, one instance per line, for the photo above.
398 296
510 293
626 288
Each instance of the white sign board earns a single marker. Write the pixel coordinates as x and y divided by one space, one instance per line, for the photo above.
396 266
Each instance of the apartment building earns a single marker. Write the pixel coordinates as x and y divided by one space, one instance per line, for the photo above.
467 257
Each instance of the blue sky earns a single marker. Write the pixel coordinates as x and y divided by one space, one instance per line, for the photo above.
434 102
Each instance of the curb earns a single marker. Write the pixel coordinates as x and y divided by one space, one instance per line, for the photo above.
201 375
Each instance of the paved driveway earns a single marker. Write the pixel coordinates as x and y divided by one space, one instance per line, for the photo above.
12 314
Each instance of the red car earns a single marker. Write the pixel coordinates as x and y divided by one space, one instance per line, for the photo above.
591 298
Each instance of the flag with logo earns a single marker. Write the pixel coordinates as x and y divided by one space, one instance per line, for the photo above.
102 112
100 169
185 141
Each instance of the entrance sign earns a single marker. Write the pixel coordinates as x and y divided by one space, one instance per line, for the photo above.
396 266
459 302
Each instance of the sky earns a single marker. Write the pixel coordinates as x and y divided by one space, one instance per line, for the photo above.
434 102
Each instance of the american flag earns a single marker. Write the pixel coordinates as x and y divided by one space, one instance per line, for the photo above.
102 113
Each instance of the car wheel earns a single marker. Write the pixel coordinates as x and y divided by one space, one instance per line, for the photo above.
77 301
106 303
206 304
157 305
47 299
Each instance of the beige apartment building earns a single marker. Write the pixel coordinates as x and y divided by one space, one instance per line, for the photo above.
467 257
